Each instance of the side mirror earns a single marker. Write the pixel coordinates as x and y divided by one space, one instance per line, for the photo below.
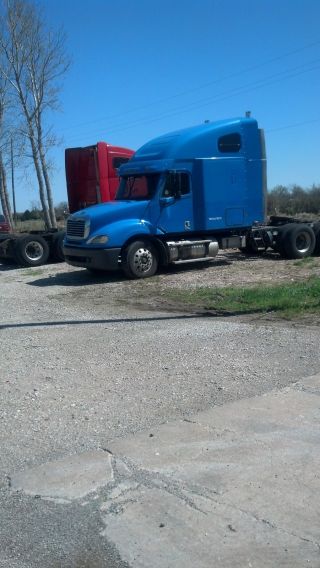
167 200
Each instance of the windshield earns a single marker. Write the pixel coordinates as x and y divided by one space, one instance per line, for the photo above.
137 187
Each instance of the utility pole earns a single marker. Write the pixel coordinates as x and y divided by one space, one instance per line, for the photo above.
12 186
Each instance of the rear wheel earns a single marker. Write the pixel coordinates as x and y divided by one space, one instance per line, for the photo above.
31 250
296 241
140 260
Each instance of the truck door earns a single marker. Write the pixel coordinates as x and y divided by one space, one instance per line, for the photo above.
222 193
176 209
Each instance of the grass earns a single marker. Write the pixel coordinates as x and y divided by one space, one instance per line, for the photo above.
32 272
33 225
288 300
308 261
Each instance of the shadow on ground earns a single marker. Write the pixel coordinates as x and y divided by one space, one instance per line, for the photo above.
82 277
104 321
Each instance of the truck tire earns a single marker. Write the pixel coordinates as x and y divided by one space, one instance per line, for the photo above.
296 241
31 250
57 244
140 260
316 230
279 245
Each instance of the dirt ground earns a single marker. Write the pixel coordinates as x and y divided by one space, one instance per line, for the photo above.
230 268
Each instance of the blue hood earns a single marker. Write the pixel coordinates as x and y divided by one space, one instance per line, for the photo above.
105 213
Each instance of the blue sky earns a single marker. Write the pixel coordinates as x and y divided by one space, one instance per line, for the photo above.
141 68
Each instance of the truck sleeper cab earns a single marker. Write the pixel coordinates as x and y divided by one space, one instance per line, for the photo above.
181 197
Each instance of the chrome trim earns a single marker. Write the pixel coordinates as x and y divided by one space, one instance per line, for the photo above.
78 228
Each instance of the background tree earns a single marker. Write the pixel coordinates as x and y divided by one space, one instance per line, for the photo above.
294 200
4 196
33 60
278 199
62 210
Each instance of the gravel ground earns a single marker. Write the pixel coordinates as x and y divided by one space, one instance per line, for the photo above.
81 364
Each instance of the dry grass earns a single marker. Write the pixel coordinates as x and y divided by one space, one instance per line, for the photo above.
33 225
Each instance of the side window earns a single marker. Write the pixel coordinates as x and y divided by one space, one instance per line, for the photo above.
176 184
229 143
136 187
117 162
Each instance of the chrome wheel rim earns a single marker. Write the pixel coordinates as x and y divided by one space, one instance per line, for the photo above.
142 260
34 251
303 242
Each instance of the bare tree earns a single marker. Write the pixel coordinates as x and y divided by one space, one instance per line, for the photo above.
37 60
4 196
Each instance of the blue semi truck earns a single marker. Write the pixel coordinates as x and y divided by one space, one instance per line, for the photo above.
183 196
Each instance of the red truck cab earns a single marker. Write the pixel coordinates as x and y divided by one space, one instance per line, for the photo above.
92 173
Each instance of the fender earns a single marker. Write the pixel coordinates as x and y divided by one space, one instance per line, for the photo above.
157 243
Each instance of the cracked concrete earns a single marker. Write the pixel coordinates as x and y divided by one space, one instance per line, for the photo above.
238 482
237 485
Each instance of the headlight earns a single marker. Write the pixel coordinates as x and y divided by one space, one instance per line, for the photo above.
98 240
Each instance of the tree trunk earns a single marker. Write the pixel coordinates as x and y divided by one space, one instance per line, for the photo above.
42 194
47 182
35 155
4 197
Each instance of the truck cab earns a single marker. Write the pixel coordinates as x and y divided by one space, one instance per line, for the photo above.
92 173
182 196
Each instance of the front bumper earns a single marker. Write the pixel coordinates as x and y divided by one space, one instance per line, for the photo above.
105 259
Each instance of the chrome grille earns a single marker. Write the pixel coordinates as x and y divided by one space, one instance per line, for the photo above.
77 228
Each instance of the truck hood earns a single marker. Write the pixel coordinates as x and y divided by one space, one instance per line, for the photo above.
106 213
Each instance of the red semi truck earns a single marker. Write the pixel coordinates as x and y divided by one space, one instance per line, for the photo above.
92 174
92 178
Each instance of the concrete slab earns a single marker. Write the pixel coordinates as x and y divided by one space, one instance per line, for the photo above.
69 478
238 485
246 475
158 529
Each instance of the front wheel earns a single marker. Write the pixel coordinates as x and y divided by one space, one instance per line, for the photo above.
140 260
